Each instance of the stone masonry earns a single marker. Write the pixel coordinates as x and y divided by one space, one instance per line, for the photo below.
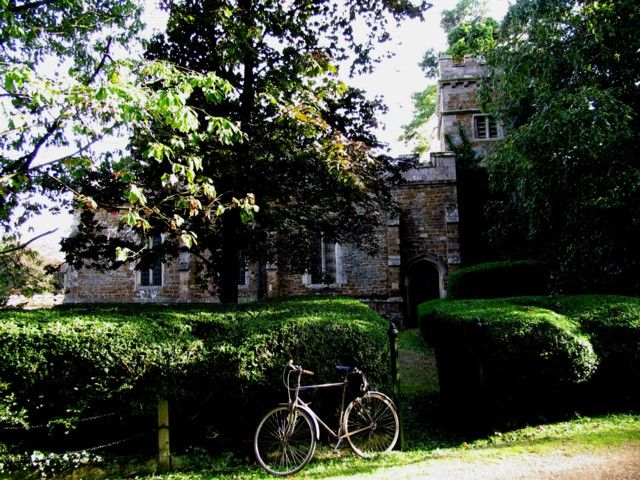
420 245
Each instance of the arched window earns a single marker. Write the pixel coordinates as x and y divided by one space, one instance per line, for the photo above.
323 268
152 276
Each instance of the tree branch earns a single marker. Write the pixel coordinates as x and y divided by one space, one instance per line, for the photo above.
67 157
102 61
24 245
23 164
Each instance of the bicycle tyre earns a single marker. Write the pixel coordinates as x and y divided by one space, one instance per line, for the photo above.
281 448
371 424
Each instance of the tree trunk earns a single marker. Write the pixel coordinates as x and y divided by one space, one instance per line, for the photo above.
230 258
231 220
261 280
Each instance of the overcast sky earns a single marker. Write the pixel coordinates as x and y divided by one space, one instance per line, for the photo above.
395 79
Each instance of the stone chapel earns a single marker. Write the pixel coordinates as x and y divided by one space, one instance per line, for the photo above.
416 250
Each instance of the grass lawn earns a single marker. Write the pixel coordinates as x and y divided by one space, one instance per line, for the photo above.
430 440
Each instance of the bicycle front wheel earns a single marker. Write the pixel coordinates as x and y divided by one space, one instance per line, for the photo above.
372 424
285 441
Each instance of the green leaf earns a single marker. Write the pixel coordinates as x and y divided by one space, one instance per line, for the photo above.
135 195
130 218
122 254
190 175
209 191
158 151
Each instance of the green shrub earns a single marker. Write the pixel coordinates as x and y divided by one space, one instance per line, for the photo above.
613 325
219 366
499 279
529 343
517 347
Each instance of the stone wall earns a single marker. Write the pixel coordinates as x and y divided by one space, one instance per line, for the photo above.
429 211
87 285
361 274
426 231
426 225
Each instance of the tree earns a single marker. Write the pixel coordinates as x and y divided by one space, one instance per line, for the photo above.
564 81
424 108
473 37
304 165
23 272
62 91
469 32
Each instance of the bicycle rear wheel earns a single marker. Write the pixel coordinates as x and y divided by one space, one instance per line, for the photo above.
284 441
372 424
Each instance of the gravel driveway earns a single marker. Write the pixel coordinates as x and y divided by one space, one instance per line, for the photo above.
614 464
621 463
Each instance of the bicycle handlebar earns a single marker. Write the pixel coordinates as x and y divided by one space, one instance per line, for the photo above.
364 387
298 368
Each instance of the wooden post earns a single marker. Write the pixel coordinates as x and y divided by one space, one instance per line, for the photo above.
164 452
395 374
393 350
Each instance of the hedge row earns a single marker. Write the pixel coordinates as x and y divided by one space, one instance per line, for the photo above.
525 344
499 279
219 366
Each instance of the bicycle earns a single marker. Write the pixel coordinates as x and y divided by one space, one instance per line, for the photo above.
285 440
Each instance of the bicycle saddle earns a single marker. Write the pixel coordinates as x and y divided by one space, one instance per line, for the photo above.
345 369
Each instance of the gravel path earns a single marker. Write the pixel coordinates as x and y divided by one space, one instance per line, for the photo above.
618 464
621 463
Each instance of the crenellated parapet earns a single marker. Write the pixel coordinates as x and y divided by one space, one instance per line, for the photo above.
470 68
440 169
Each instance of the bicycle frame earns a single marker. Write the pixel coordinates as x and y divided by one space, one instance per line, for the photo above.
296 402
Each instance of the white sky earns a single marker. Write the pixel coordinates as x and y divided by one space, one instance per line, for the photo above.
395 79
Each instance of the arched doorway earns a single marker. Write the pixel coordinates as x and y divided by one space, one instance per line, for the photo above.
423 282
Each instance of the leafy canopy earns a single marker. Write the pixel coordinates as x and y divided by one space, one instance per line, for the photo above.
469 30
304 165
63 90
564 81
24 272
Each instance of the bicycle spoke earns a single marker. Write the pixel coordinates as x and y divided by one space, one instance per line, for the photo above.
372 425
284 441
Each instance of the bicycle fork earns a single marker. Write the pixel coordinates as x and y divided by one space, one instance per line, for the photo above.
290 426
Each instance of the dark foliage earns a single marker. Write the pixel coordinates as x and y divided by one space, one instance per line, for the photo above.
473 196
499 279
522 350
564 82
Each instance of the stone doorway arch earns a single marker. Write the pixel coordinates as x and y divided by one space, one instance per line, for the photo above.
423 281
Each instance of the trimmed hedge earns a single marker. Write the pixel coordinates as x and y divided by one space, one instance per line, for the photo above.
612 324
522 345
218 365
499 279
